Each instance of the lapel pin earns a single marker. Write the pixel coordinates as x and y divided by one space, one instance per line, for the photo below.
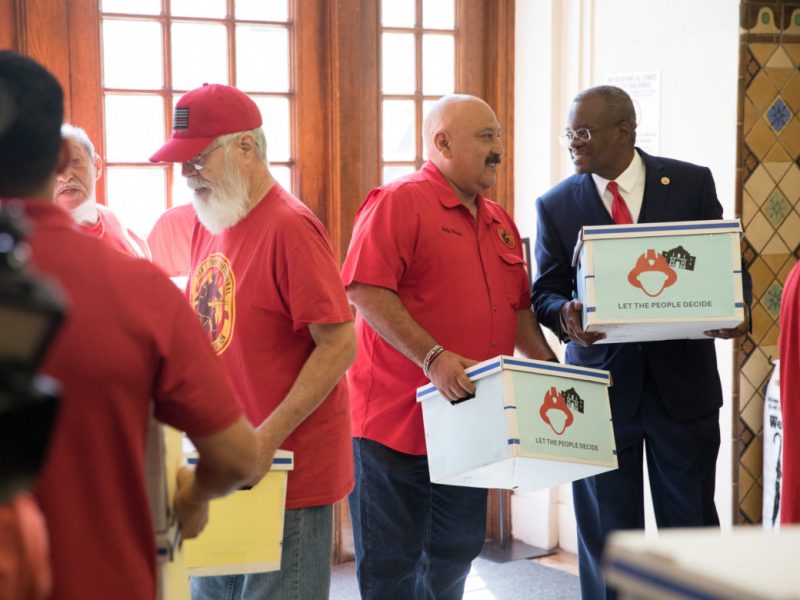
665 181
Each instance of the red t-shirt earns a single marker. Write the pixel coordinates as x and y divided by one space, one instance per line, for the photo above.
255 287
461 280
128 344
790 396
114 235
170 240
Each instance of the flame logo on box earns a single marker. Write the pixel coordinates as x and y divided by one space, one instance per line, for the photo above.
555 412
652 273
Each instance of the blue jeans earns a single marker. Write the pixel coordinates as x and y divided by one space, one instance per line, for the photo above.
413 539
305 572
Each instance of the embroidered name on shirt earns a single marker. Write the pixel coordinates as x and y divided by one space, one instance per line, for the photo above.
453 231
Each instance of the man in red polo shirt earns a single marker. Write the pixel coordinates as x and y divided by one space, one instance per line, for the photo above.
170 240
129 347
265 285
75 193
437 275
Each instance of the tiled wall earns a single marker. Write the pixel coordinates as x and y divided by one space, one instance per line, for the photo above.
769 204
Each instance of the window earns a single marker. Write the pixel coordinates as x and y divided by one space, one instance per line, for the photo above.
418 50
155 50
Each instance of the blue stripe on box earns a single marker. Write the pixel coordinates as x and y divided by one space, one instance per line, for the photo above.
588 276
557 368
739 304
663 584
509 407
513 442
737 270
640 229
591 309
432 388
488 367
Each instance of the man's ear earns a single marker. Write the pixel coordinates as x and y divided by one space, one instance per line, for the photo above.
247 146
64 156
98 167
441 142
626 129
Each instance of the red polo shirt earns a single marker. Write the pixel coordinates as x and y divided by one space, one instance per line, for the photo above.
460 278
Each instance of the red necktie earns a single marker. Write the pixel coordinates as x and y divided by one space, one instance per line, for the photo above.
619 210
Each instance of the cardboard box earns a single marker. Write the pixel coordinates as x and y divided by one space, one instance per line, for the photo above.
659 281
531 425
245 529
745 563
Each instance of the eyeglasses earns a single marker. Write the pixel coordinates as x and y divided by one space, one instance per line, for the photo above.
582 134
199 161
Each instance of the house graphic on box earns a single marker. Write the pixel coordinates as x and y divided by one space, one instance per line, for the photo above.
679 258
573 400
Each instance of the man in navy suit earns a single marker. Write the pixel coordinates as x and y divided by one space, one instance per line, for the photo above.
667 393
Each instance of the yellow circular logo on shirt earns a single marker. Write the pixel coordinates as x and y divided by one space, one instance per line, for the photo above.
212 297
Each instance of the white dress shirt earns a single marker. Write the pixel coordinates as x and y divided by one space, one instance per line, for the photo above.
630 184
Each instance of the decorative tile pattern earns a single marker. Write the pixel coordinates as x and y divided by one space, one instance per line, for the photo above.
790 137
790 185
778 114
791 93
759 231
790 230
761 275
751 66
776 208
761 138
760 184
749 253
753 413
771 300
769 206
757 368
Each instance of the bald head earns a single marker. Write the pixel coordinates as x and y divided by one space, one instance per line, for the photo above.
447 112
462 138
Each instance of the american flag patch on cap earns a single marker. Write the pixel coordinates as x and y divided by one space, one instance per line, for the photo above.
181 119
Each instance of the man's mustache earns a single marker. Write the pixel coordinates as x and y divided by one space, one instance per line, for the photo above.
493 159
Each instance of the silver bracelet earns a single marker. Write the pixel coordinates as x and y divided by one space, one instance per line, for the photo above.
435 351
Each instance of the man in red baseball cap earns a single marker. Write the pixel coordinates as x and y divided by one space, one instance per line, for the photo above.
266 288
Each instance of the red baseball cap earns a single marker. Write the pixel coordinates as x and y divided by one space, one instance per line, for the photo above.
204 114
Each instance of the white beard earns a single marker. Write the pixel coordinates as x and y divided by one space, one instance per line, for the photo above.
227 204
86 212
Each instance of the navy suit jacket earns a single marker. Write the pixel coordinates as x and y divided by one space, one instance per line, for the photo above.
685 371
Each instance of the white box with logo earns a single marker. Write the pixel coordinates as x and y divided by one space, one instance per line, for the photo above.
531 425
659 281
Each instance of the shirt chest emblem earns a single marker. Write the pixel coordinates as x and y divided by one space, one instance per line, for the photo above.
506 237
211 294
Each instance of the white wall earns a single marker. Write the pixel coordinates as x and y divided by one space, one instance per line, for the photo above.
563 46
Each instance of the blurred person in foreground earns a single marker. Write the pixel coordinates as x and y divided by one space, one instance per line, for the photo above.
129 346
